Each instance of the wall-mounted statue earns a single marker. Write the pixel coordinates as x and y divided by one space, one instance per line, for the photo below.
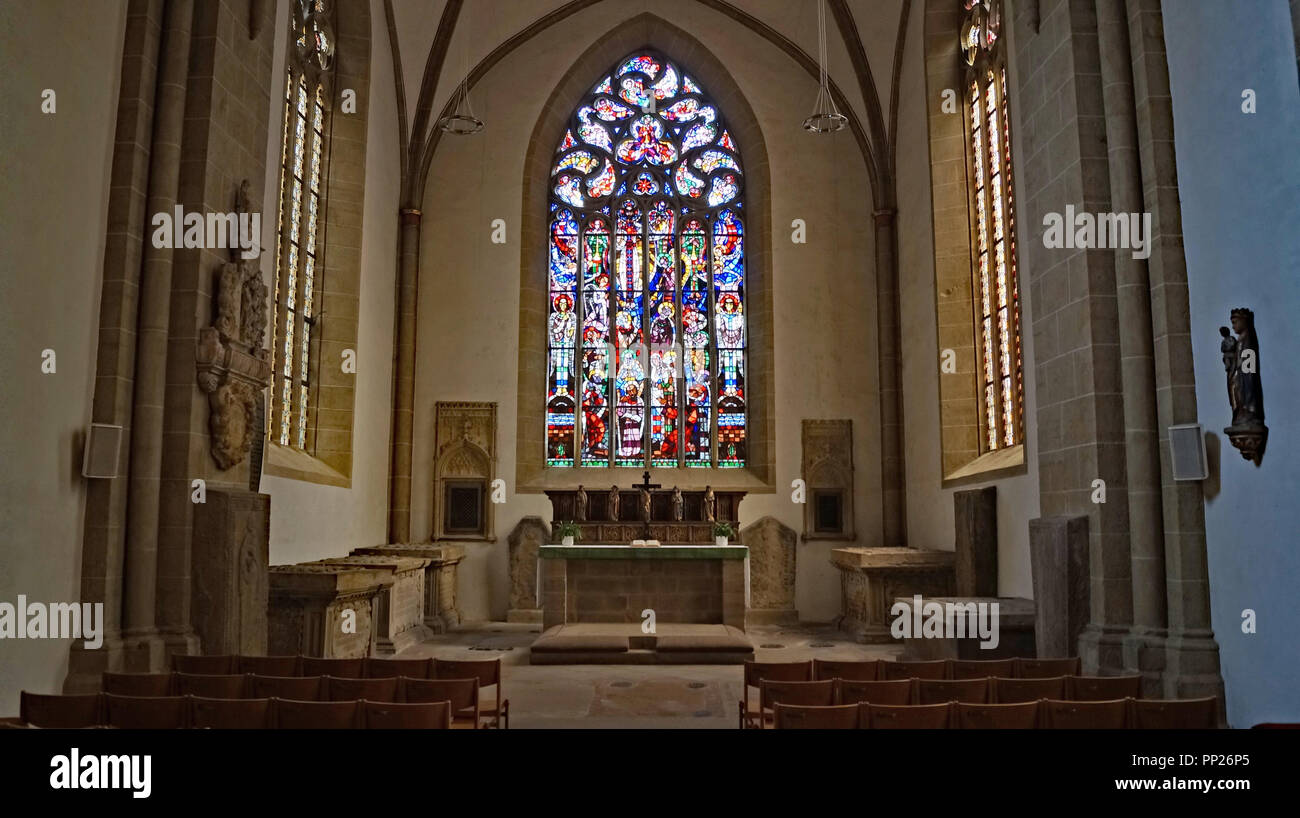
580 505
645 505
710 504
1245 390
678 504
613 504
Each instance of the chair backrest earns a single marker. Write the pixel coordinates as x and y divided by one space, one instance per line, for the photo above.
921 669
224 686
375 690
205 664
404 716
981 668
342 668
1103 688
860 671
462 693
895 691
487 671
296 715
1176 714
270 665
937 691
1089 715
807 717
907 717
1047 668
392 668
137 684
146 712
230 714
808 694
297 688
1022 716
55 711
1011 691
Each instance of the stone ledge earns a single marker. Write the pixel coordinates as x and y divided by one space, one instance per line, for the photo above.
627 552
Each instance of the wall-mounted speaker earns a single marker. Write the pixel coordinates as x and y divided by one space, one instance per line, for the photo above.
103 451
1187 452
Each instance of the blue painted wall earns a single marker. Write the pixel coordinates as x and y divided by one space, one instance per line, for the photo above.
1239 182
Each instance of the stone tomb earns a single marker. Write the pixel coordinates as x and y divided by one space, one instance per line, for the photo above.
871 578
440 611
309 607
1015 631
399 608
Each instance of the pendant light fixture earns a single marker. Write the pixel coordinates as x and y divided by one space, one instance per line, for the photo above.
462 121
826 117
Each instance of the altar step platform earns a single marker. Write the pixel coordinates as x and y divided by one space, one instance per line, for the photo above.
616 643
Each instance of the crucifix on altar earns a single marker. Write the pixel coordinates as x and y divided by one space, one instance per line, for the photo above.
643 489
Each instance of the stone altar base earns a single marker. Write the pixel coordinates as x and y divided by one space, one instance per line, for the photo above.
1015 632
871 578
611 643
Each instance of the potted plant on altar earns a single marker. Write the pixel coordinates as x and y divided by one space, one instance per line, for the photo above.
721 531
568 532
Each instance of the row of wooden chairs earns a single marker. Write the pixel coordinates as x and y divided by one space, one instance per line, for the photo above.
870 670
174 712
1148 714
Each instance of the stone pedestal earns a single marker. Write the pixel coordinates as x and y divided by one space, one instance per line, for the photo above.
975 518
870 579
1058 559
772 573
1014 628
310 606
440 611
232 533
526 538
399 615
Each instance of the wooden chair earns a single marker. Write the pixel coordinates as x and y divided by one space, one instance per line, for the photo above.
906 717
1023 716
809 717
297 688
1012 691
225 686
1176 714
494 710
407 716
462 693
392 668
922 669
863 671
756 673
146 712
137 684
296 715
1090 715
270 665
339 668
1103 688
895 692
374 690
211 665
967 691
65 712
1046 668
230 714
805 694
981 668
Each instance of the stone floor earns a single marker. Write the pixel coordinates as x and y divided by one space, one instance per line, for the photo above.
631 696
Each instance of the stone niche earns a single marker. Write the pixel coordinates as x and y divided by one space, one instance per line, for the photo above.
771 572
827 471
232 532
528 536
324 609
464 467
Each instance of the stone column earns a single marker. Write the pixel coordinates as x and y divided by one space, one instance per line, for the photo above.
144 646
399 504
892 465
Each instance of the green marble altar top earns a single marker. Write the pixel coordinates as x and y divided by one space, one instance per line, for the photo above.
650 552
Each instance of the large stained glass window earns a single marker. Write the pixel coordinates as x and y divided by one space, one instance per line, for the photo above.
297 261
993 223
646 305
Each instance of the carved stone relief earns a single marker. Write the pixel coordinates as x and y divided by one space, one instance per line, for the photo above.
465 460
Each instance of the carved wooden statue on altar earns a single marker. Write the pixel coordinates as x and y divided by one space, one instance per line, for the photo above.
673 516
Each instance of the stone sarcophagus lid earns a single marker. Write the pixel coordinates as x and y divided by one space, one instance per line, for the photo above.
324 609
398 612
440 610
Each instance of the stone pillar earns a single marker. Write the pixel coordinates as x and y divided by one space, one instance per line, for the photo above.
892 465
399 512
976 521
1058 558
772 561
232 534
528 535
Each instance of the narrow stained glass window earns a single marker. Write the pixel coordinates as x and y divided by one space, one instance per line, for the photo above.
646 232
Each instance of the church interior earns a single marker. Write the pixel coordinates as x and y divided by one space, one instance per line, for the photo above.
671 364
